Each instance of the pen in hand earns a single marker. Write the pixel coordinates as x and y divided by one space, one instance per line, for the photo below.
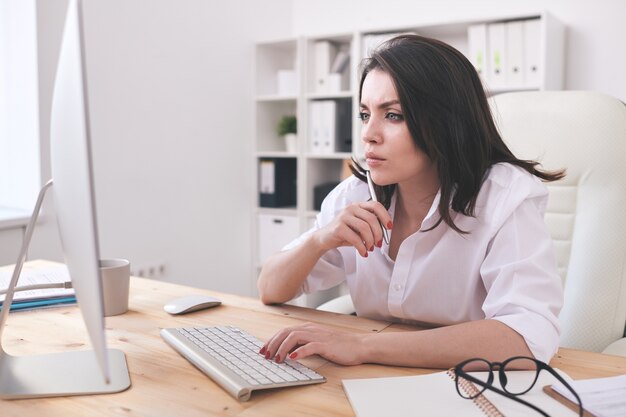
370 184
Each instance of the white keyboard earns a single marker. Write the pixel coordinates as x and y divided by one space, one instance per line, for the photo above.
230 357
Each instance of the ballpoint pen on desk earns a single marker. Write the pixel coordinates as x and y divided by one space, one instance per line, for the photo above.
370 184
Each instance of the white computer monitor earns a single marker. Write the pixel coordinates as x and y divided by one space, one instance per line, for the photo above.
100 370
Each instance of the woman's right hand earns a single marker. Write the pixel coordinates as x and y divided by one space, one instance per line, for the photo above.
357 225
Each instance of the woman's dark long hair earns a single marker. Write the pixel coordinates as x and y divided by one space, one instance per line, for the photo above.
447 114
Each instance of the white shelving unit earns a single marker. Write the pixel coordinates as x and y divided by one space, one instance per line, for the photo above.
273 224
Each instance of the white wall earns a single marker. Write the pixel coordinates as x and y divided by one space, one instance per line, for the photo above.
170 86
172 108
595 54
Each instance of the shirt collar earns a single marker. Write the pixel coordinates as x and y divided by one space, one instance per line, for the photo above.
431 217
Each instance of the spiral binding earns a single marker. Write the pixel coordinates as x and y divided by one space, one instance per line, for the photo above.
481 401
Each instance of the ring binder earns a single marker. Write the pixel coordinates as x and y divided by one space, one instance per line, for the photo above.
481 401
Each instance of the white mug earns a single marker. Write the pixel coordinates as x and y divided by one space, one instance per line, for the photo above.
115 275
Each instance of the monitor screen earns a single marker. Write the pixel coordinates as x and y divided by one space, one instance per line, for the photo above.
72 174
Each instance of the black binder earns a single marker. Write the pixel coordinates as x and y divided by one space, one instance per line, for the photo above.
277 182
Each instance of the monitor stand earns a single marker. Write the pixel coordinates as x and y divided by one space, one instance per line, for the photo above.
55 374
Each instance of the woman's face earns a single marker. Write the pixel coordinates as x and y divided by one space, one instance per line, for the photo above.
390 152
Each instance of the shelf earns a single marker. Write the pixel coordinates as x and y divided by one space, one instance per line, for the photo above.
276 154
509 89
308 56
329 66
271 58
285 44
338 155
277 211
276 98
321 172
268 113
330 96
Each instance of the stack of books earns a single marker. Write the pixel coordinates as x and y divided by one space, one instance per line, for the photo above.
38 298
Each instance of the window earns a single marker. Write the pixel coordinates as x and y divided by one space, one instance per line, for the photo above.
20 172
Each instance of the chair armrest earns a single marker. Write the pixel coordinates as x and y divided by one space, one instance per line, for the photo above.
341 305
616 348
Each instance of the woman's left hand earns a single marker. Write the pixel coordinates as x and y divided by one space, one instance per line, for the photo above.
308 339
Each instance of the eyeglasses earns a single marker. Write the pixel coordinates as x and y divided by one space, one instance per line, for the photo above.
471 385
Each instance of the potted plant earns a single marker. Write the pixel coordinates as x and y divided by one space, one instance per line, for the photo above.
287 128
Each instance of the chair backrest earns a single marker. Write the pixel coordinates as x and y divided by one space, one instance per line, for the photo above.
585 133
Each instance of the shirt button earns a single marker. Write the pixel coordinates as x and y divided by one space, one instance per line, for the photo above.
398 287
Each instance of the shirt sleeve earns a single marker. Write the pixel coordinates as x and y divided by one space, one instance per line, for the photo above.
330 270
327 272
524 289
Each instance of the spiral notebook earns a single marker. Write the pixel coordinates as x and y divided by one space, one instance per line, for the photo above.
435 395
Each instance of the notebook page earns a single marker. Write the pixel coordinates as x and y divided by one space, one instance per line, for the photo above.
435 395
432 395
48 275
536 396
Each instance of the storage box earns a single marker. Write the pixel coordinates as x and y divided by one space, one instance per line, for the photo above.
275 232
287 83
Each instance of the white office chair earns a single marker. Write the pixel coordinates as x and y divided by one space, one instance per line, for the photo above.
585 133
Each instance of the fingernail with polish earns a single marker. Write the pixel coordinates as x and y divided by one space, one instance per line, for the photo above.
262 351
293 355
277 358
267 354
390 225
380 244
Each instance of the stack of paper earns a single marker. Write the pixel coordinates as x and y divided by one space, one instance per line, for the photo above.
29 299
602 397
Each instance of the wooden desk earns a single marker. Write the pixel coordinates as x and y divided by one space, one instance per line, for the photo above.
165 384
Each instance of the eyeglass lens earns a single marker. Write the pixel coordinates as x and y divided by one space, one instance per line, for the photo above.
519 375
479 369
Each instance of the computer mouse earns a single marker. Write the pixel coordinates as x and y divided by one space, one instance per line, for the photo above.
191 303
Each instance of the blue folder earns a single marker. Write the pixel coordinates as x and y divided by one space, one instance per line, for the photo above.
45 302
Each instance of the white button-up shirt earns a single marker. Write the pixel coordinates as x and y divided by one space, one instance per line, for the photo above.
504 269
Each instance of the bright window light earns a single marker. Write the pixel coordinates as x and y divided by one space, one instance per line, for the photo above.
20 170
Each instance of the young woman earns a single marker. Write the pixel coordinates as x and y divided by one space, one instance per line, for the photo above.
469 254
